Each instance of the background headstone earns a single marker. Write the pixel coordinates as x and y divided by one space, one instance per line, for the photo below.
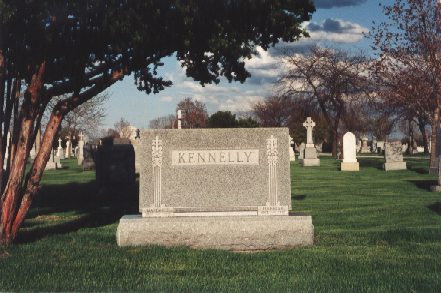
88 157
310 154
349 153
292 155
115 165
302 151
60 152
393 155
365 149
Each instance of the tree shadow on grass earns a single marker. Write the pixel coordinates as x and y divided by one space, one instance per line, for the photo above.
371 162
435 207
423 184
61 209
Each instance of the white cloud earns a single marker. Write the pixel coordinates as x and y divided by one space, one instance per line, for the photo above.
335 30
239 103
166 98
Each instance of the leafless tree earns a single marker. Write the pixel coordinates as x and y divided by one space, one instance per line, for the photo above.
409 59
163 122
86 118
329 77
124 128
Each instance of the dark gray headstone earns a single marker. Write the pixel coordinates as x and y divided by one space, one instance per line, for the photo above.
115 166
89 157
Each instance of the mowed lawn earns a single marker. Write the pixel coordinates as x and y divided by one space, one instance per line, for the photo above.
375 231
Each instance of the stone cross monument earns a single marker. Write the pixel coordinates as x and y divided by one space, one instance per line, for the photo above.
60 152
309 125
310 152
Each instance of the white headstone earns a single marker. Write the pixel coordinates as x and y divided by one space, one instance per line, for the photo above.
349 148
292 155
80 155
349 153
68 148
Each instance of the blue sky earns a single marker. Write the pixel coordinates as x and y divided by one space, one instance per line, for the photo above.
337 23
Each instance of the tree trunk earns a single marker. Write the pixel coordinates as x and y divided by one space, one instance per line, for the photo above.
13 187
33 180
422 128
433 153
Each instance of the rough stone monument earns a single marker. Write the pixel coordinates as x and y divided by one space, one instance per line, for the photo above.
292 155
365 149
215 188
310 153
349 153
437 188
394 156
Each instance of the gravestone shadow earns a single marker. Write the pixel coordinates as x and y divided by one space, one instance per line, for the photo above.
298 197
373 163
435 207
62 209
423 184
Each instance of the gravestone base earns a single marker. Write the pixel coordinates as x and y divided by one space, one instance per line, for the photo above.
365 150
435 188
394 166
310 162
236 233
51 166
352 166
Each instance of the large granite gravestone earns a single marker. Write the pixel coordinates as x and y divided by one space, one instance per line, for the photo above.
349 153
310 154
394 156
215 188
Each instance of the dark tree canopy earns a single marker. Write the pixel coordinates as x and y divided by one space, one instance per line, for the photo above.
75 48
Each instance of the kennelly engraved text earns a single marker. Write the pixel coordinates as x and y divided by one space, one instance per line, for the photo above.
215 157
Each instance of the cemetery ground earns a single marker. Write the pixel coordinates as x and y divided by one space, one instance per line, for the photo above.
375 231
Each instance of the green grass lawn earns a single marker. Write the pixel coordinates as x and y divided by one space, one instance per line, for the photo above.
375 231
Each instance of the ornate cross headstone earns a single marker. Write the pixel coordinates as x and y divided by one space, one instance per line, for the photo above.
309 125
